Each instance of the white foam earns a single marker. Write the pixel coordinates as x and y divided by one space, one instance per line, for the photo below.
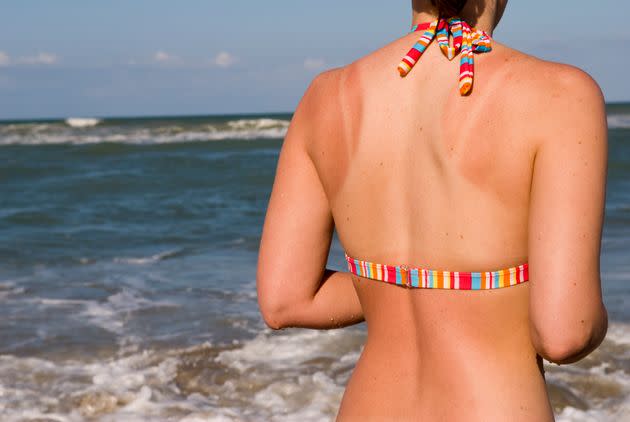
82 122
276 376
283 351
45 301
282 371
619 333
150 259
90 133
112 314
619 121
9 289
259 124
283 400
115 389
28 415
26 128
570 414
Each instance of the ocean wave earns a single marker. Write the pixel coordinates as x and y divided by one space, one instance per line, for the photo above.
152 258
275 376
8 289
258 124
185 384
111 314
571 414
619 121
87 131
81 122
127 388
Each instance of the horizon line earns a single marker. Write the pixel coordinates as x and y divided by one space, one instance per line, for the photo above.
140 116
178 116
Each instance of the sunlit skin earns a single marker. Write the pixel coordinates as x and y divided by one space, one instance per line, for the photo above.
409 172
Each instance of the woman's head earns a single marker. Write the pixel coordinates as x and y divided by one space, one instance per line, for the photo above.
485 12
448 8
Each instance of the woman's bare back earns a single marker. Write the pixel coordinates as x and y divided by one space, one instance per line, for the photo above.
416 174
410 172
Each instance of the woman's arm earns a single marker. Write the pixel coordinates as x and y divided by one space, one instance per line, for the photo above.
294 287
568 317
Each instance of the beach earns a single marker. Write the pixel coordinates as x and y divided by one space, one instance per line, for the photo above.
128 291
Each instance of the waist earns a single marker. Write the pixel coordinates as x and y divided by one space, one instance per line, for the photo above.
425 385
424 278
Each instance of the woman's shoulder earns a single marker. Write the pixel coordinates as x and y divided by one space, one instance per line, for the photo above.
537 79
328 97
541 97
551 104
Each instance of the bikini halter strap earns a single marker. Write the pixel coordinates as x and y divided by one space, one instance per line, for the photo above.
465 39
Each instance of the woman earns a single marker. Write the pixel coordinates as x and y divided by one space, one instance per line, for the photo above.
423 174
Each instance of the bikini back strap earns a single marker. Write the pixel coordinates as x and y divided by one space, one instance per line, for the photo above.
423 278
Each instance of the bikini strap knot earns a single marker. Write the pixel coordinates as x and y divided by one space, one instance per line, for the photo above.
454 37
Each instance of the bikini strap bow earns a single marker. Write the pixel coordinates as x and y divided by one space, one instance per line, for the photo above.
454 36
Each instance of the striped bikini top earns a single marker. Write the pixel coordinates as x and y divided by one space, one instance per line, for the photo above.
454 36
422 278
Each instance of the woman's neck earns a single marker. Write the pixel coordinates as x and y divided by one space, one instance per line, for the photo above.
480 14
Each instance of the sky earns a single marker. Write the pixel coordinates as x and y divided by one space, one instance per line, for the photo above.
67 58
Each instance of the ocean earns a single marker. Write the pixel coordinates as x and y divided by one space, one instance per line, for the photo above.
127 283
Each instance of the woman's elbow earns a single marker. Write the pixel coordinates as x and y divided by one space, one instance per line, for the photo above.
278 310
565 345
272 306
273 317
564 350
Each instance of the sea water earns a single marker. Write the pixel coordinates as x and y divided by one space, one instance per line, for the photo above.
127 279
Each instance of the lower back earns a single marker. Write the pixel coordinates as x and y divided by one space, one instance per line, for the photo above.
443 355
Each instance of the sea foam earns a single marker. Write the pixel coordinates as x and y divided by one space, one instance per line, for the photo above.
274 376
619 121
80 131
80 122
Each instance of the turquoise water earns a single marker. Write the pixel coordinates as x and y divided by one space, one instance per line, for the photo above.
127 288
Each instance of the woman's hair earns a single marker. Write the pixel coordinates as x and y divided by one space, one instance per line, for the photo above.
448 8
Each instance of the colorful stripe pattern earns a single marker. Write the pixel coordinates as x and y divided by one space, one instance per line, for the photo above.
465 39
421 278
416 51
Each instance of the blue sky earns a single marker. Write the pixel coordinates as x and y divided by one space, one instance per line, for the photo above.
155 57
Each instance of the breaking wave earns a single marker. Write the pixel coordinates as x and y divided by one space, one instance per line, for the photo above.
292 375
619 121
81 122
79 131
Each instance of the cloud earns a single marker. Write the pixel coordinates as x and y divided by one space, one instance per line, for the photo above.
163 57
4 59
314 64
38 59
224 59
